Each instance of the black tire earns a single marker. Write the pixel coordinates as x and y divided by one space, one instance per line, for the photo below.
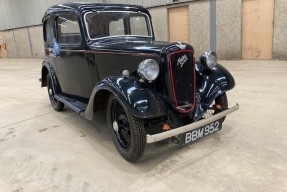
221 101
128 132
57 105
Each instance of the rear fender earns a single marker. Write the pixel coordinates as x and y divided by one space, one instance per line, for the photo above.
47 68
138 98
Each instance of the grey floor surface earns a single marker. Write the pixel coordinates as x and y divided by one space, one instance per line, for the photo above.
44 150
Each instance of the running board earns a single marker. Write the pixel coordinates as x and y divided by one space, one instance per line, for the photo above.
75 105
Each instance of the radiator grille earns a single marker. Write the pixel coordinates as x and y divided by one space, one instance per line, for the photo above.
182 79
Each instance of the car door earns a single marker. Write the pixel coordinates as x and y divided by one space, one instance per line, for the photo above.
71 64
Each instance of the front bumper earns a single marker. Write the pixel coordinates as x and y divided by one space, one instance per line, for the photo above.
189 127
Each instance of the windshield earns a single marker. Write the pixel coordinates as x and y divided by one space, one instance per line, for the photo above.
117 23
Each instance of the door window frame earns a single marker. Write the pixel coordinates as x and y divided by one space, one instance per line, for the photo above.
50 41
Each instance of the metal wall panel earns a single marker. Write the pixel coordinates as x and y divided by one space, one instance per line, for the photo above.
6 12
2 24
144 3
23 13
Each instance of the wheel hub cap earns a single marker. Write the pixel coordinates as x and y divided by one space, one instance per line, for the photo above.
115 126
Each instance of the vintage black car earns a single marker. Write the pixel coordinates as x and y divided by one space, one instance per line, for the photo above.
104 56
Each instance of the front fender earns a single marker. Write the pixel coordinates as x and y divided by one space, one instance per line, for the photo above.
212 83
138 98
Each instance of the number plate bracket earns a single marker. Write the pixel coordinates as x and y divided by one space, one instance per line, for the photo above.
194 135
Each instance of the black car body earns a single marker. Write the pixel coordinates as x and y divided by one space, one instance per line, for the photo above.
104 56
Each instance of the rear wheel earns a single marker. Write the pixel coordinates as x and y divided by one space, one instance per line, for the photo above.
219 104
57 105
128 132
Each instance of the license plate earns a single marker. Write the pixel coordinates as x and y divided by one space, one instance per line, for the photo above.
196 134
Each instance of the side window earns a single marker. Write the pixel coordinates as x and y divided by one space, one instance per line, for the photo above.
117 27
49 32
68 30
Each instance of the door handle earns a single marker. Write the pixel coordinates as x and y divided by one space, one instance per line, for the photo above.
50 51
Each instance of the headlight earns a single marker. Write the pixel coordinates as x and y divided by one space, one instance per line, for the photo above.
209 59
148 69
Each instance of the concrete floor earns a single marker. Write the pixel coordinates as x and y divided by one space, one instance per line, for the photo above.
43 150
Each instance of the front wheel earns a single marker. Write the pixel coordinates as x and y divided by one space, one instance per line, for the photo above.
128 132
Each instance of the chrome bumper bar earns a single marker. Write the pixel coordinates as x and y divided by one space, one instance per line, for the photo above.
189 127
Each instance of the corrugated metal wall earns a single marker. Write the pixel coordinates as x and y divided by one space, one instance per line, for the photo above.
22 13
145 3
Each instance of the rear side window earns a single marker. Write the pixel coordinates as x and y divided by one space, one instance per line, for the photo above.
49 32
68 30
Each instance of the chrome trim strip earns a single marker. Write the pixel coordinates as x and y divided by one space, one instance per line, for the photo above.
183 107
190 127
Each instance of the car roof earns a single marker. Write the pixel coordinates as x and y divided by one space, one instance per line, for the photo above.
83 7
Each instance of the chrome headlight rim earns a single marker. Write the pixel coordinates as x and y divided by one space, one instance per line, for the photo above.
209 59
148 69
